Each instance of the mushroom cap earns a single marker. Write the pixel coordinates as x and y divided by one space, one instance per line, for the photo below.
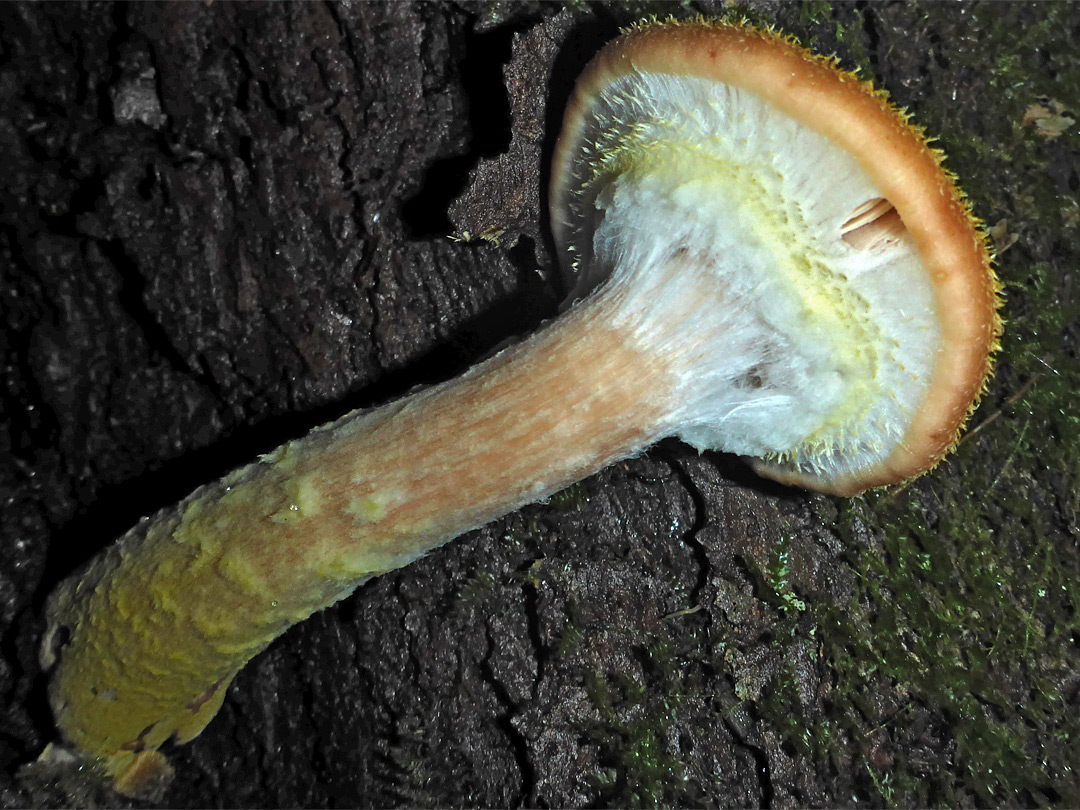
918 203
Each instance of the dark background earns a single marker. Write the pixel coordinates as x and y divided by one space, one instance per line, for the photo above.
222 224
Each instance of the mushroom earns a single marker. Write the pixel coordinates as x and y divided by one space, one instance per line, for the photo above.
863 310
769 261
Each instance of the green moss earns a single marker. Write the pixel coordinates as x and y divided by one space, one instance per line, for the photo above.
738 13
569 640
816 13
777 575
571 499
528 532
631 734
944 614
781 703
475 589
821 24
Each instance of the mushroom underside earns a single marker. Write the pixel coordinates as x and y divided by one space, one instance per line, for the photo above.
822 337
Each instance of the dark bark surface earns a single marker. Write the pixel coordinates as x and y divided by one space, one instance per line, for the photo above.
223 224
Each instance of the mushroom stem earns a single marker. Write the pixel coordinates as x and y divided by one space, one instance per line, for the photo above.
149 636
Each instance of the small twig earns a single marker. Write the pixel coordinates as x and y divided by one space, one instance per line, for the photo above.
683 612
1012 455
996 414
